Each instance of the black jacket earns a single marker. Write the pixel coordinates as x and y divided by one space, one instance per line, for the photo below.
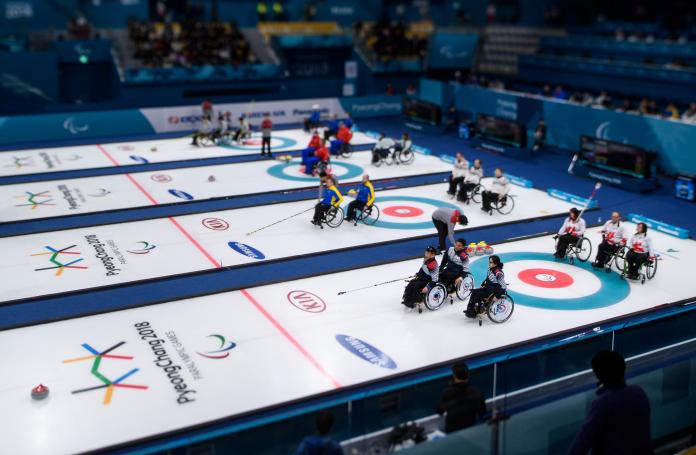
463 403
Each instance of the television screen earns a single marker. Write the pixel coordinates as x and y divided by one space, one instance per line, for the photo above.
501 130
422 111
616 157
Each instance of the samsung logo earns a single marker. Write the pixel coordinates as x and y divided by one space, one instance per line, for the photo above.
246 250
366 351
181 194
139 159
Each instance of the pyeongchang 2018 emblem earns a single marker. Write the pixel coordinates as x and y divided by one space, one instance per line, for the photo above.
306 301
59 255
35 200
110 385
222 348
143 248
215 224
366 351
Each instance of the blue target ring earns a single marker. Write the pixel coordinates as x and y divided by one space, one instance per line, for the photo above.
612 290
285 142
417 225
279 171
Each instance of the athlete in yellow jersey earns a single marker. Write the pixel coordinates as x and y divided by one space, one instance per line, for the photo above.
331 197
365 198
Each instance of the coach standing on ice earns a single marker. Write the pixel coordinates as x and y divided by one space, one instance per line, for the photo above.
445 220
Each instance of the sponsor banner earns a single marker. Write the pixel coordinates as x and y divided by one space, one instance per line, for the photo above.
77 125
660 226
421 150
371 106
447 159
186 118
366 351
573 199
519 181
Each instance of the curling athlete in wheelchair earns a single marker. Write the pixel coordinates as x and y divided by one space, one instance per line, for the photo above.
454 271
425 279
491 298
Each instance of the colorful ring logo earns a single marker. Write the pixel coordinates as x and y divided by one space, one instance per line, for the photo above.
612 290
285 142
280 171
414 210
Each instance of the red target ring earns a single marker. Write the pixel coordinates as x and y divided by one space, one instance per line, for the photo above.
545 278
402 211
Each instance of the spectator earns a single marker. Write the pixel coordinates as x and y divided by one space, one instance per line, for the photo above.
320 443
546 91
690 114
539 135
643 107
79 29
671 111
603 100
559 93
490 13
411 89
390 90
279 12
618 422
463 403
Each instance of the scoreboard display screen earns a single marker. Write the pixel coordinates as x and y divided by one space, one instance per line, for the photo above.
617 157
422 111
501 130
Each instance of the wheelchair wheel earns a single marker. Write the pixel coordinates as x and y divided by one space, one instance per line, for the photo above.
435 297
379 162
583 249
334 217
620 258
505 205
370 216
501 309
206 140
406 156
476 193
465 287
346 150
651 269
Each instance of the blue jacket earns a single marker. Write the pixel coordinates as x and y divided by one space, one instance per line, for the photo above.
618 423
319 445
348 122
366 193
315 116
333 124
332 196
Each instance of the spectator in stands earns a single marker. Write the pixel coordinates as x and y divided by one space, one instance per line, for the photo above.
320 443
462 403
390 90
652 108
79 29
411 89
603 100
546 91
619 419
559 93
490 13
671 111
625 107
539 135
690 114
643 107
309 11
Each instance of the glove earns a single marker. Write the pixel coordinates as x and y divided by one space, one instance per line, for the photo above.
466 220
623 241
651 258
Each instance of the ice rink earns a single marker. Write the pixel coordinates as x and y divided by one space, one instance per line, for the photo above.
84 258
36 161
192 361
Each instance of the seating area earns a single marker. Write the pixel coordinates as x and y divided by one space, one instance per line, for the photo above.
388 41
189 43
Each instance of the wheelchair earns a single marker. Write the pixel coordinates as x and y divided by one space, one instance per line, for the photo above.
346 150
438 294
368 216
205 139
503 205
498 308
332 218
581 249
647 269
396 157
475 194
617 259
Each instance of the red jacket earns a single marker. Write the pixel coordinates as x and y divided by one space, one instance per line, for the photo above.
322 153
315 142
267 123
344 134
